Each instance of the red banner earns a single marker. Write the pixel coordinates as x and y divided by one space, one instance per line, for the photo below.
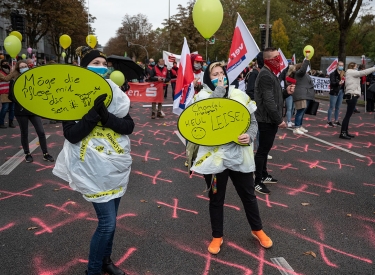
146 92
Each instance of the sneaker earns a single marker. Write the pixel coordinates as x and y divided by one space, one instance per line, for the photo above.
28 158
343 135
356 111
298 131
48 157
269 179
214 246
303 129
153 115
263 239
3 126
290 124
337 123
331 124
261 188
160 114
269 157
349 135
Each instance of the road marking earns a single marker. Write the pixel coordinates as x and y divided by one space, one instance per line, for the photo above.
333 145
164 105
14 161
284 266
180 137
321 111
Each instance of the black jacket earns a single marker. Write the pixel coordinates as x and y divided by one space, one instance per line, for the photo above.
269 97
251 83
74 132
18 109
334 85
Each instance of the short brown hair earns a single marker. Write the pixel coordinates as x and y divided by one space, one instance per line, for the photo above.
17 68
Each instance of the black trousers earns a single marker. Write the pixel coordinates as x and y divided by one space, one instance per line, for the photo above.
23 122
244 184
267 134
349 111
369 105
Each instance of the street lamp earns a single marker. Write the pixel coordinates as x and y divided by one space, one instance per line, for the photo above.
268 23
169 25
130 44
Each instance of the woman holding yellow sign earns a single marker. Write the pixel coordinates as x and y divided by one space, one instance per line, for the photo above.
96 161
232 160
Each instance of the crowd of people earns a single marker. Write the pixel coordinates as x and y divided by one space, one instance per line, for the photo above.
266 91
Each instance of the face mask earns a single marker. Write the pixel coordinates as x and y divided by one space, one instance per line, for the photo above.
273 64
152 63
6 67
215 81
204 68
341 68
100 70
161 66
110 70
22 70
197 67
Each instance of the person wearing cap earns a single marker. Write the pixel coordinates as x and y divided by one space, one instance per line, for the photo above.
197 63
234 161
96 161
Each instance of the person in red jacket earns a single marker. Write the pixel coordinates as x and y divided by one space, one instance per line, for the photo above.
197 63
174 73
4 91
159 73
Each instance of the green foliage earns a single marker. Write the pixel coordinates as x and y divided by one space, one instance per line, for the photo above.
279 37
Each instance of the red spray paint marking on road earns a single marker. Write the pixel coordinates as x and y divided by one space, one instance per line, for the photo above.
22 193
175 208
296 191
154 178
9 225
227 205
146 157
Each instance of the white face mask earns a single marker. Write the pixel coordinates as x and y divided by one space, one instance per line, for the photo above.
22 70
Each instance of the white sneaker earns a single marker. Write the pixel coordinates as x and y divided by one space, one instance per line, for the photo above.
298 131
290 124
269 157
303 129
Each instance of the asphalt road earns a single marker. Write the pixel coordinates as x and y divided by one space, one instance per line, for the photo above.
320 215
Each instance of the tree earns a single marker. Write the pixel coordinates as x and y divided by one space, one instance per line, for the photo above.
280 38
320 50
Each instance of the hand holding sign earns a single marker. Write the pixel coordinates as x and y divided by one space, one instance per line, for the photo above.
61 92
214 121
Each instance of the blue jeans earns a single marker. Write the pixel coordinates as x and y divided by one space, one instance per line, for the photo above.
299 115
102 240
4 108
289 108
335 101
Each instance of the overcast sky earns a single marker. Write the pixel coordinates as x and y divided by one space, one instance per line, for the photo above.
109 14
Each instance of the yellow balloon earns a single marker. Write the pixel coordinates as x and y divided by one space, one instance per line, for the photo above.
65 41
17 34
308 49
23 56
12 45
63 54
91 40
117 77
207 16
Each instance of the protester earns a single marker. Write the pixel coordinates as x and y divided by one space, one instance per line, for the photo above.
6 104
101 173
289 105
303 95
149 68
174 73
23 116
30 63
269 98
336 93
370 92
217 164
196 62
352 93
159 73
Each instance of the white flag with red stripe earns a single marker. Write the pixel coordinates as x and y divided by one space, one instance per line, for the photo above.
284 61
331 68
242 51
184 90
294 59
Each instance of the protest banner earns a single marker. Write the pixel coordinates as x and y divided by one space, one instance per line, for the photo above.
321 83
146 92
214 121
60 92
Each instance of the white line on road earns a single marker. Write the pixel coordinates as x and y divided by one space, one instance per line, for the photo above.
321 111
164 105
333 145
285 268
180 137
14 161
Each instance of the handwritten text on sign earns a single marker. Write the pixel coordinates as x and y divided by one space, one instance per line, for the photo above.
214 121
320 83
60 92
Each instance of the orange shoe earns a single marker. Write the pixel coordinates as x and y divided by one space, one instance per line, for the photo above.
263 239
214 246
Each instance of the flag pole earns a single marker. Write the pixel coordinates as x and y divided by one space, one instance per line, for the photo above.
363 62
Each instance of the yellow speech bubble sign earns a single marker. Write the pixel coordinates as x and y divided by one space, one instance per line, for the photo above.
214 121
60 92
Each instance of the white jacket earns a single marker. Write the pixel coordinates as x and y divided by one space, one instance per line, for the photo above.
353 82
99 166
215 159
